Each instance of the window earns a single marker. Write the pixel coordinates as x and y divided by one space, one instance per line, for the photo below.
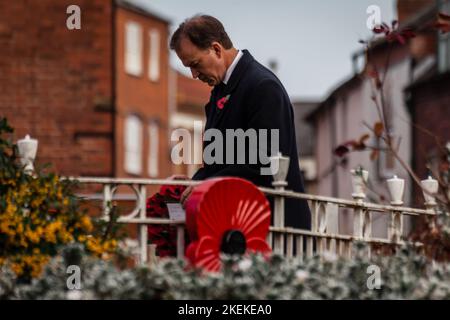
444 42
153 154
153 64
133 49
133 145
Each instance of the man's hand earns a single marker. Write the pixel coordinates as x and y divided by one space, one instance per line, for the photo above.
178 177
185 195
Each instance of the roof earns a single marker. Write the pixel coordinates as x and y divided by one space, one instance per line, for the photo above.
347 84
135 6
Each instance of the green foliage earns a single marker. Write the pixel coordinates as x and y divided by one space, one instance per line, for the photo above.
405 275
40 213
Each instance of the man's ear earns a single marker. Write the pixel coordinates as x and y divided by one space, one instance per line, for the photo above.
217 48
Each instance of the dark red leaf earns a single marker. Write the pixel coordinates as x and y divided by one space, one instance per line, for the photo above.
378 30
341 151
444 16
373 74
443 27
391 37
408 33
378 83
401 39
364 137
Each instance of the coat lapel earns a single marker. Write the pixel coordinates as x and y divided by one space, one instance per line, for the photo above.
228 89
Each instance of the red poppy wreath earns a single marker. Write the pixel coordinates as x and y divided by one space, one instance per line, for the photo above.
225 215
163 236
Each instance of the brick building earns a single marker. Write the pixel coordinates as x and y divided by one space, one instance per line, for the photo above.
191 96
97 98
429 104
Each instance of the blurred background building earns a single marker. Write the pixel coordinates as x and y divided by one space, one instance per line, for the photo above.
104 100
101 102
417 94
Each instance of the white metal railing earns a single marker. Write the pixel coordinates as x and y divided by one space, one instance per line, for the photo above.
323 236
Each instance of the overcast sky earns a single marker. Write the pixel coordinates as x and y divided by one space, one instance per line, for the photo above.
312 40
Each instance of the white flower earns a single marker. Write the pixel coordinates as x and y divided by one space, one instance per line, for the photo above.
301 275
74 295
329 256
129 246
245 264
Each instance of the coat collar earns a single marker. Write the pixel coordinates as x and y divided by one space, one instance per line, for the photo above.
223 90
238 72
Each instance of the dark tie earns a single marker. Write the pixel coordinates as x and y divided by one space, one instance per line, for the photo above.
221 87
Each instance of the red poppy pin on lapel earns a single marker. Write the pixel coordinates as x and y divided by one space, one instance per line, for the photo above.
222 101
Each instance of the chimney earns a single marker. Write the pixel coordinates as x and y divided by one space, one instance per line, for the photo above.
407 9
273 65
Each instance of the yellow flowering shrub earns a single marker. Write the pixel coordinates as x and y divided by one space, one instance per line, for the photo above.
40 213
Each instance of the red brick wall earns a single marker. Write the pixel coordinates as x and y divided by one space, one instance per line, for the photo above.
430 104
140 95
409 8
53 81
192 94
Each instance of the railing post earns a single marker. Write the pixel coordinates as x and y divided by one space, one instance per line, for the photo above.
279 167
361 224
396 188
180 241
107 199
143 229
151 254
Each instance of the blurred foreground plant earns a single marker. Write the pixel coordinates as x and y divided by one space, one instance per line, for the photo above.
39 213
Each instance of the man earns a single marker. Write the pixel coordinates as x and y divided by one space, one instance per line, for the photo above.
246 95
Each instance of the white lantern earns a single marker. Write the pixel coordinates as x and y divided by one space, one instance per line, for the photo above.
27 153
432 186
359 183
279 167
396 188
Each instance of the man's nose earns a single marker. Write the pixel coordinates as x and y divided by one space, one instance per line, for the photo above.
195 73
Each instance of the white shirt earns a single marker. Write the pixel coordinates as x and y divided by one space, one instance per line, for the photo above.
232 66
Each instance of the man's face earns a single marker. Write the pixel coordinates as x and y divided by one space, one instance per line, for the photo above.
208 65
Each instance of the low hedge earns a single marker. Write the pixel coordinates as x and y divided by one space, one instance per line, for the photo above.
405 275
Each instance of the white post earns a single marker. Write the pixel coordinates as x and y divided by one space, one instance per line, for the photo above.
143 229
180 241
107 199
396 188
151 253
359 182
279 167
